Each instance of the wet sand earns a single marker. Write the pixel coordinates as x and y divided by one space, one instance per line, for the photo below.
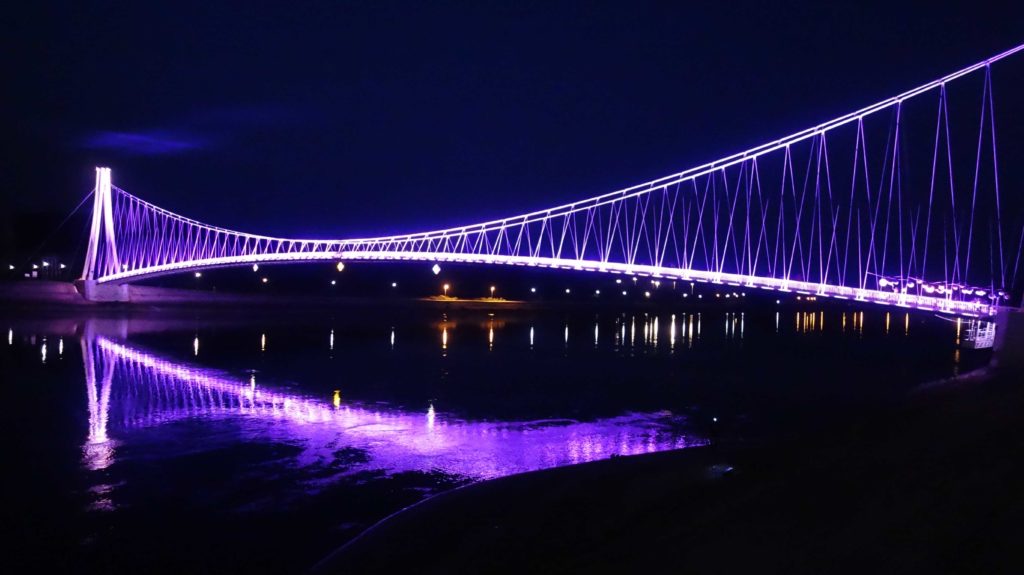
929 486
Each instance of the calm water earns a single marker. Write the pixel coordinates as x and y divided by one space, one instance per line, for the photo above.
168 442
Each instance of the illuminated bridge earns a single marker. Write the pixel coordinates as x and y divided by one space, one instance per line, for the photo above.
898 203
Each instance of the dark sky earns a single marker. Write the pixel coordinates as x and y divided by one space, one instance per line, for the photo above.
351 118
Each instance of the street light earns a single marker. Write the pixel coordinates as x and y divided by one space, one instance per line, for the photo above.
265 280
255 268
492 292
445 287
341 266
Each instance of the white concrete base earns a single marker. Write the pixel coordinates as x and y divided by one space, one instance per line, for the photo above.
98 292
1008 348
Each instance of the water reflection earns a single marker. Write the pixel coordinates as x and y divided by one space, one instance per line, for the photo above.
130 388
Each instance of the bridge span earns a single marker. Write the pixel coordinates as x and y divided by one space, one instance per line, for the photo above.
844 209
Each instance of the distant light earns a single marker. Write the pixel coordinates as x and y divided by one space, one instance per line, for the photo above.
255 267
883 282
910 284
566 290
334 282
199 274
62 266
686 295
699 296
623 292
777 302
436 269
533 290
264 280
46 264
656 283
597 292
492 291
35 267
394 284
714 420
10 267
618 280
341 266
979 292
647 294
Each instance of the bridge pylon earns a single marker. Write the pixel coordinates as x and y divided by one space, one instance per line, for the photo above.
102 245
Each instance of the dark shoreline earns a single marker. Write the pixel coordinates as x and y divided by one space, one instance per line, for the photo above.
924 487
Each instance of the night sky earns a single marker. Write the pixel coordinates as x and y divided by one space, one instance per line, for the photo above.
353 118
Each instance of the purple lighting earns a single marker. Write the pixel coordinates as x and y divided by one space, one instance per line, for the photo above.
718 223
147 390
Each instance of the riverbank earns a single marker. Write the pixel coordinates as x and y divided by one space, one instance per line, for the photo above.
930 486
36 295
63 295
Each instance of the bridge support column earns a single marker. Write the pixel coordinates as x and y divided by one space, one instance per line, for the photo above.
93 291
1008 348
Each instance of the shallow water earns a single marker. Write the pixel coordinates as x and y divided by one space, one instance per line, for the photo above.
163 441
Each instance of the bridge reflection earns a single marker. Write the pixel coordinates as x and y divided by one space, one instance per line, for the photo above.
131 389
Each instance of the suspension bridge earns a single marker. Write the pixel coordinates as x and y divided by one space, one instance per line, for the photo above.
898 203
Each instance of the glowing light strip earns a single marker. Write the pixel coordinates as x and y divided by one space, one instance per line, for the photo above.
156 237
868 295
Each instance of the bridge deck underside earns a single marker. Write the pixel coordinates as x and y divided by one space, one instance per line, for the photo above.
924 302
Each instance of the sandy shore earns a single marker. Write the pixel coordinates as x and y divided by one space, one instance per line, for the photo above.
932 486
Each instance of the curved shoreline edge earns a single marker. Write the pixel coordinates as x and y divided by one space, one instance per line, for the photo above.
523 523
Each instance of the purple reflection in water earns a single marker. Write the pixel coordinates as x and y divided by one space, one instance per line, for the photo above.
149 391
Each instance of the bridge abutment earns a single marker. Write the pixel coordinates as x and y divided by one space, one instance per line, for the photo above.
97 292
1008 347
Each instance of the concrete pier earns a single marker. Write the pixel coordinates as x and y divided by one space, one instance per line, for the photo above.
97 292
1008 348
